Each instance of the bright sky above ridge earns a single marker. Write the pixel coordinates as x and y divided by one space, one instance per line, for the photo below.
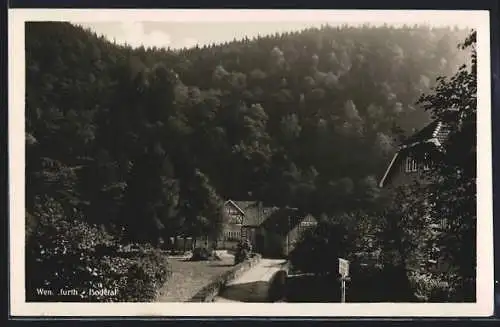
187 33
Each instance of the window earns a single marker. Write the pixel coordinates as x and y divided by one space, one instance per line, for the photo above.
410 165
304 225
427 163
231 210
233 235
235 220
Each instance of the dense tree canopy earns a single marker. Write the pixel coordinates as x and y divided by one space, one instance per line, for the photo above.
453 195
150 140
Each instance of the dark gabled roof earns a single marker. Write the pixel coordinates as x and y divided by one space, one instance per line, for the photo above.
442 133
271 218
256 215
253 212
244 205
435 130
284 220
434 133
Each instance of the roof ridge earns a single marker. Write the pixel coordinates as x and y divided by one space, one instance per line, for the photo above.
237 207
437 129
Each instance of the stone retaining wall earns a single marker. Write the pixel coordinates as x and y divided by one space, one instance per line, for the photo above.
210 291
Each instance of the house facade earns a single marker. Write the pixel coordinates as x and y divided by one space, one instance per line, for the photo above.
414 156
411 162
231 233
272 231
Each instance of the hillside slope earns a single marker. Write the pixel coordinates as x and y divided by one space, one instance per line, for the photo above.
151 139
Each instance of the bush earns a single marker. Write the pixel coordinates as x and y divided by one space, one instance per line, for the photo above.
313 289
87 263
430 287
318 249
277 289
201 253
243 251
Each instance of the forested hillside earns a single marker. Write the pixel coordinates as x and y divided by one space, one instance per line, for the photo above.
148 141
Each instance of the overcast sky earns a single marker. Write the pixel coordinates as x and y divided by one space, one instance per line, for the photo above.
187 34
205 29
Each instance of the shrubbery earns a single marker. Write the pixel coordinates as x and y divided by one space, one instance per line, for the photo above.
277 289
377 274
375 283
243 251
201 253
71 255
318 250
431 287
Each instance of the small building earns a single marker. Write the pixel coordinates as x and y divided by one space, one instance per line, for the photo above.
278 235
272 231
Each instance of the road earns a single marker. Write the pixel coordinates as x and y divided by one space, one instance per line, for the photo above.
253 285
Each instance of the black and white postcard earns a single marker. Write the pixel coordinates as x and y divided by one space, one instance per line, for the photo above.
215 162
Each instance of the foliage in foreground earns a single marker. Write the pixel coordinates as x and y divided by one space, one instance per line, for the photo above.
87 264
345 236
430 287
384 247
243 251
453 195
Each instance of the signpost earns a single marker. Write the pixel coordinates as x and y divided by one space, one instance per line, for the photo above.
344 277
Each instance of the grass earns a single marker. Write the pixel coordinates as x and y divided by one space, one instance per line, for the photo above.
188 277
